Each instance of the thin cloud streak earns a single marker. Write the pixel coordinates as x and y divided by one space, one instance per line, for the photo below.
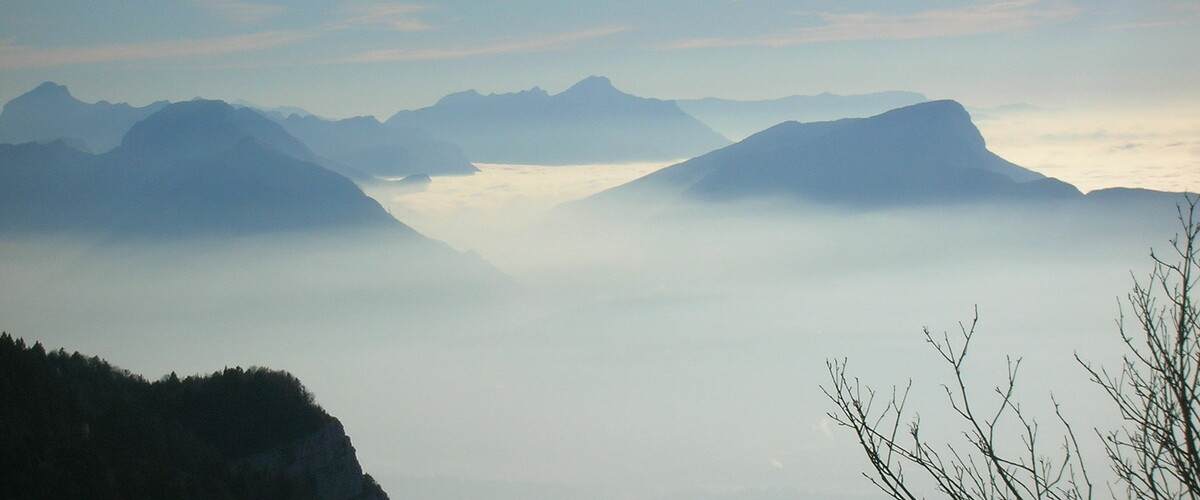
1127 27
984 19
239 12
15 56
388 16
539 45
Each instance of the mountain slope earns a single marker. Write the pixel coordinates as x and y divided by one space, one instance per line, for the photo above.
921 154
739 119
591 122
49 113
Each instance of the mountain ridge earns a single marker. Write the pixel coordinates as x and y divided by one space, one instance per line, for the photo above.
925 153
590 122
193 168
49 112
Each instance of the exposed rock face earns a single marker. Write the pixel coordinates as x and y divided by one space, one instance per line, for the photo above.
322 463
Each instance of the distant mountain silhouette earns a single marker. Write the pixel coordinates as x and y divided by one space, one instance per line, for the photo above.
200 127
49 112
591 122
276 113
738 119
368 146
922 154
193 168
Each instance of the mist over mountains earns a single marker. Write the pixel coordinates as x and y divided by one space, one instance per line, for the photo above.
671 356
591 122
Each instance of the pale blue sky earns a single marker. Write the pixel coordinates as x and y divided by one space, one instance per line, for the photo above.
365 57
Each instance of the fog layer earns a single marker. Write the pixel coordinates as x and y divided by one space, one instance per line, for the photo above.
667 356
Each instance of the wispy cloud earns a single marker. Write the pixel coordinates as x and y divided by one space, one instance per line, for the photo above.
387 16
239 12
17 56
1139 26
999 17
518 46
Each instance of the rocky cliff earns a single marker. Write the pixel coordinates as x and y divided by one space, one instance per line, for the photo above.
322 463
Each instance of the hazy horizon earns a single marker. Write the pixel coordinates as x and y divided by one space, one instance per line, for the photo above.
623 355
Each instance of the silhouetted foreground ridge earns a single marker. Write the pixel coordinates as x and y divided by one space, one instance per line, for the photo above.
77 427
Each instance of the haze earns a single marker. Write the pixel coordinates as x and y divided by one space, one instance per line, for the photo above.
675 357
567 349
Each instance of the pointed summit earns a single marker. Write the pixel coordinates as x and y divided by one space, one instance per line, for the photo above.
593 85
50 90
50 97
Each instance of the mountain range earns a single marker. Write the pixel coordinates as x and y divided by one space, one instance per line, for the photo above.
49 112
591 122
360 148
368 149
192 168
924 154
739 119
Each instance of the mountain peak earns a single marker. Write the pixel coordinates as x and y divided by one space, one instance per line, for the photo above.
463 97
947 117
593 85
51 89
200 127
48 93
945 108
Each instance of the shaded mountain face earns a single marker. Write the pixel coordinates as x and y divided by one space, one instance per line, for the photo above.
739 119
923 154
49 112
374 149
194 168
591 122
203 127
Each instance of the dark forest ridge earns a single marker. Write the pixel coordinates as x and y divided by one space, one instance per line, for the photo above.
77 427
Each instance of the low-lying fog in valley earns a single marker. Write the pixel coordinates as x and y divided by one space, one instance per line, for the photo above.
632 355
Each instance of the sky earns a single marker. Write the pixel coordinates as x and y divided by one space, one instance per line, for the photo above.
341 59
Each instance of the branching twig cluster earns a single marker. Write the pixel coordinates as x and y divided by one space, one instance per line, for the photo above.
1157 389
1155 455
977 470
